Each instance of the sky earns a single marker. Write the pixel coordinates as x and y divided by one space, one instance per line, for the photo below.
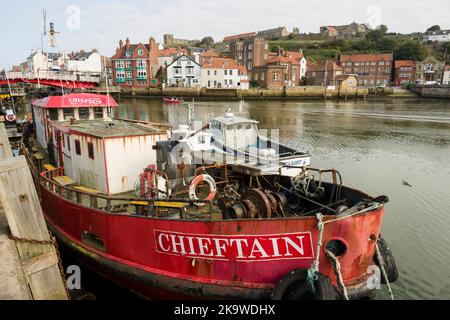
80 22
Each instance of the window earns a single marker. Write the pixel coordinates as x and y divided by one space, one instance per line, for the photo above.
140 52
129 64
215 72
69 114
77 147
230 72
226 73
209 72
129 74
240 55
98 113
83 113
266 46
142 63
381 63
91 150
142 73
128 54
53 114
226 82
120 75
209 83
276 76
68 143
250 55
230 82
120 64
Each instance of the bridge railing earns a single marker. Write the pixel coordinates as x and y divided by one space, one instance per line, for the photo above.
55 75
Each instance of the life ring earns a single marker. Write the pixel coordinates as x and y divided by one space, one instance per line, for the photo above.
294 286
212 188
10 117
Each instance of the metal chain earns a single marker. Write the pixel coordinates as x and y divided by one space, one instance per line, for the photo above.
337 272
52 242
383 271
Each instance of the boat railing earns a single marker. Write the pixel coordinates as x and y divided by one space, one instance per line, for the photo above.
111 204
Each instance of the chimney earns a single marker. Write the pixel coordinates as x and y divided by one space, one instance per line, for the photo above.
120 44
127 43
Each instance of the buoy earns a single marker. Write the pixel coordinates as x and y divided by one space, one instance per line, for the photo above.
193 188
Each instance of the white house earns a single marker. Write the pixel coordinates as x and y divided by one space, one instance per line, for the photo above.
166 56
183 72
446 76
441 36
82 61
42 61
223 73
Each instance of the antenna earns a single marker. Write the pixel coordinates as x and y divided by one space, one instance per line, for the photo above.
44 16
106 73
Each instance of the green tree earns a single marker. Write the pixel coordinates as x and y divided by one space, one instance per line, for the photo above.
410 50
434 28
207 42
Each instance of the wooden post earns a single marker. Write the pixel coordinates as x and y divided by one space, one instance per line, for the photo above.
24 215
5 147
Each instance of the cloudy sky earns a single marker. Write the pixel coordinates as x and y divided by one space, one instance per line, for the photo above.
80 21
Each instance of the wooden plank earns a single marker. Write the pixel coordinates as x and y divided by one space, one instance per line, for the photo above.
40 263
13 281
49 167
25 219
87 190
64 180
5 147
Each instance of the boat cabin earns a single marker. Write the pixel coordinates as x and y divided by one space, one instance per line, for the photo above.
106 156
235 132
71 106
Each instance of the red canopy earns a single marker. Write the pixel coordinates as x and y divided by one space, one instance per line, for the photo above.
76 100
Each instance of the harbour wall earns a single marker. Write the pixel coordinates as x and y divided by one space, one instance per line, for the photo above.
256 94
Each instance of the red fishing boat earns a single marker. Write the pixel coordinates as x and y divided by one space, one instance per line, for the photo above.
186 214
172 100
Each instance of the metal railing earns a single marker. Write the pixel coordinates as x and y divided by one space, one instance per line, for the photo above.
112 204
55 76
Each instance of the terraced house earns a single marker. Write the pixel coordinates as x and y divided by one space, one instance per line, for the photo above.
135 65
372 69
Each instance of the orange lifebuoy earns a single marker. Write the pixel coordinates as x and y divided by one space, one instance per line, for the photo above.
212 188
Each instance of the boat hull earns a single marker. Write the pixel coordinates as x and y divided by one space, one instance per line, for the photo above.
135 256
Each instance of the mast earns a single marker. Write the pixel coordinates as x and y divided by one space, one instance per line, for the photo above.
105 70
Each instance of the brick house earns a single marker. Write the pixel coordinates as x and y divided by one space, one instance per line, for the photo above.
281 69
250 52
135 65
323 73
372 69
405 71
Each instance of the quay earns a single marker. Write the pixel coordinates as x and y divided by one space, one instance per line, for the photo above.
30 268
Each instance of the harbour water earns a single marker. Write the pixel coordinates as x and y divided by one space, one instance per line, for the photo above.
396 147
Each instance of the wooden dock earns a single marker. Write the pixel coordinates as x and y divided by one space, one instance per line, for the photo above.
30 265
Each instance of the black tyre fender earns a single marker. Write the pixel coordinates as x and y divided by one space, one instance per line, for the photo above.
389 261
294 286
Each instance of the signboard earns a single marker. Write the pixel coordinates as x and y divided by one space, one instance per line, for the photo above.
243 248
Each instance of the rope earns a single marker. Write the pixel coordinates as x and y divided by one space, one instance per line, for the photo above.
337 272
383 271
314 270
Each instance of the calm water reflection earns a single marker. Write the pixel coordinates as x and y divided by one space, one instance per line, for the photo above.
376 146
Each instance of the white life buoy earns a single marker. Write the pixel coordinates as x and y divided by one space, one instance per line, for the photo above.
199 179
10 117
